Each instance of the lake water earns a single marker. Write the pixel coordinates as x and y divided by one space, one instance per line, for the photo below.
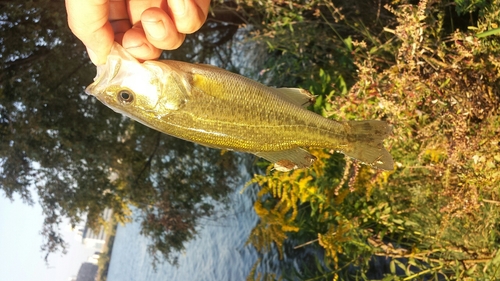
218 253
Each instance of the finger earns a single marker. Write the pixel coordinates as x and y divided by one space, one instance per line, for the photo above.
88 20
137 7
160 29
120 27
188 15
136 43
118 10
119 18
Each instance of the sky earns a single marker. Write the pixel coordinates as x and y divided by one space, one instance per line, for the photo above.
20 241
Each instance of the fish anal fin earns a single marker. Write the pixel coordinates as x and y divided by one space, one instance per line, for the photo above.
296 96
287 160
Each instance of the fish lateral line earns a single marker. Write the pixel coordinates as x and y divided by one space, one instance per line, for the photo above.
214 107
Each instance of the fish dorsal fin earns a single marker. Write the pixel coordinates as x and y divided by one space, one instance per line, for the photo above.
286 160
296 96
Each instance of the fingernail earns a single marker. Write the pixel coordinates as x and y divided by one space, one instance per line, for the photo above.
178 7
155 29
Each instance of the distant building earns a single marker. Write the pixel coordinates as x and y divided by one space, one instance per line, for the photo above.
87 272
95 240
94 259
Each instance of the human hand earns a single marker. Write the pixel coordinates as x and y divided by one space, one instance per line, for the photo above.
143 27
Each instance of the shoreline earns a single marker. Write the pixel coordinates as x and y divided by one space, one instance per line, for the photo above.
105 256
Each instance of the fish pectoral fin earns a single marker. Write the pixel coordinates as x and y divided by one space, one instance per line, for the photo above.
296 96
287 160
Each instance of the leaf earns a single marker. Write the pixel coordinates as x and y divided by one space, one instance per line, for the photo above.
348 43
392 266
398 221
488 33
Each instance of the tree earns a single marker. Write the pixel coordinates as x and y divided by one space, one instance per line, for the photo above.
81 157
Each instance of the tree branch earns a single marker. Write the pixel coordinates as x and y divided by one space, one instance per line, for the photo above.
150 158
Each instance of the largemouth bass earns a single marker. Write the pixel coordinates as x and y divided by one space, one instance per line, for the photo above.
213 107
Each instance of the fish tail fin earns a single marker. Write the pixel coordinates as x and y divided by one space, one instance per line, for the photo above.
365 140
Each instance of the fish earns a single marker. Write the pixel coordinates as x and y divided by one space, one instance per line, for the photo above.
210 106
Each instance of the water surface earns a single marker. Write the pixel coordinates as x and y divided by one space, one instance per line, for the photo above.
218 253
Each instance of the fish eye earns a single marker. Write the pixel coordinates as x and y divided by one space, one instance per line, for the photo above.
125 96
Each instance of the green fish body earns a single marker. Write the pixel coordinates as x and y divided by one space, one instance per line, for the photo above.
213 107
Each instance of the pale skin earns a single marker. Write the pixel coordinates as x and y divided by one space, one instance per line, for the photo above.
143 27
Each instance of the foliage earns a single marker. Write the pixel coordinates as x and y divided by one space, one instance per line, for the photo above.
425 68
277 23
276 218
434 217
79 156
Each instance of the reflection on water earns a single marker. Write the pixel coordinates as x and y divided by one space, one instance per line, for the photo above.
218 253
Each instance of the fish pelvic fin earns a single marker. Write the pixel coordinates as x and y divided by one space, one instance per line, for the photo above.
365 140
287 160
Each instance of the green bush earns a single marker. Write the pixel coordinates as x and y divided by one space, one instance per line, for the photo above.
437 213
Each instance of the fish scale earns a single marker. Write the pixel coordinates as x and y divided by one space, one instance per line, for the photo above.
231 119
220 109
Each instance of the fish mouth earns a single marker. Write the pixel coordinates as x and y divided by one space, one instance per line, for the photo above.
105 73
91 89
